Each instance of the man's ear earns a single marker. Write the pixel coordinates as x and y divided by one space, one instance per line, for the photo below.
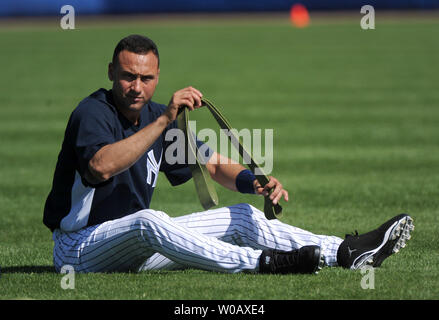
110 71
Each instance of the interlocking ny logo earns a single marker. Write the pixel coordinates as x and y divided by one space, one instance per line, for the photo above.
152 167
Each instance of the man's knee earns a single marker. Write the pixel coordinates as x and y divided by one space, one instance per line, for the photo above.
244 211
244 208
147 219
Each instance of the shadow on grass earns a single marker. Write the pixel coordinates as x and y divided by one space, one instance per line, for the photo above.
51 269
27 269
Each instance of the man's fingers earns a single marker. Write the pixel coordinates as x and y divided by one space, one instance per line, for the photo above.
260 190
281 194
193 95
185 102
198 92
277 189
194 91
196 95
189 97
271 184
197 101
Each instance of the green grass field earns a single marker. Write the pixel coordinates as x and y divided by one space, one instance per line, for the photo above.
356 141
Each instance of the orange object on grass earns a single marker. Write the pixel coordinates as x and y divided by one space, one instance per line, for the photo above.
299 15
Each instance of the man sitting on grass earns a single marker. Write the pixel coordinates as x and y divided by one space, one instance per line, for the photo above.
99 206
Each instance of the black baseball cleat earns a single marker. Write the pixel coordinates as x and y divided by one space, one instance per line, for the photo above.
374 247
308 259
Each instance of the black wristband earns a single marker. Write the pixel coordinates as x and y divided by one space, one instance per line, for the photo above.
244 181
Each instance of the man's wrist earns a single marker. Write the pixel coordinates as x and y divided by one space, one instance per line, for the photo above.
163 120
245 182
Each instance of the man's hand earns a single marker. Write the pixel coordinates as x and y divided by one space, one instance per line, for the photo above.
189 97
273 184
115 158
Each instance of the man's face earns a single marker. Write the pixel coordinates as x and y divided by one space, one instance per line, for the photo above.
135 78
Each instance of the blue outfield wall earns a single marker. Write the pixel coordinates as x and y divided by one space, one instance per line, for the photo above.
85 7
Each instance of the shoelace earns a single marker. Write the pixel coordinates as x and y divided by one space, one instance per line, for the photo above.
352 234
285 260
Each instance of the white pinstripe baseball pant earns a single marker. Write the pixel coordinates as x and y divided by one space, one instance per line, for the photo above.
228 239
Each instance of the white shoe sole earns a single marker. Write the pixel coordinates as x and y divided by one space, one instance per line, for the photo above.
397 234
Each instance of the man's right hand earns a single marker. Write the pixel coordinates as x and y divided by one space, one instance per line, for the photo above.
189 97
117 157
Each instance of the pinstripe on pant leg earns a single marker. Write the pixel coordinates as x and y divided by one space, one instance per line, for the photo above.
99 249
288 237
278 235
121 245
245 225
160 262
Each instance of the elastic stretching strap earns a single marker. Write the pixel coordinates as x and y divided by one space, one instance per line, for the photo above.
203 182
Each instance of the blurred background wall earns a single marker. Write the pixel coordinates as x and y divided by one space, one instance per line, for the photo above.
95 7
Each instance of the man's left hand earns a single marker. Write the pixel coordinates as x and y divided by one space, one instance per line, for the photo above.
277 190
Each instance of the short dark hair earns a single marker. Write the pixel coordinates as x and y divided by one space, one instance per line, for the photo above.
137 44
